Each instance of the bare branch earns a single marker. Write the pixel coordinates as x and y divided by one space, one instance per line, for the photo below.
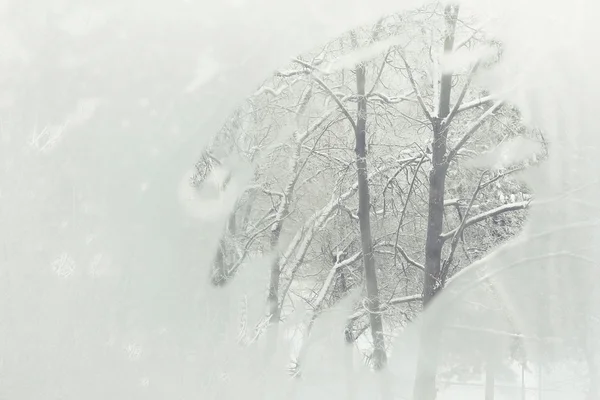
318 303
502 175
380 72
461 97
415 87
471 130
297 249
330 92
327 156
403 214
458 231
246 249
403 253
467 39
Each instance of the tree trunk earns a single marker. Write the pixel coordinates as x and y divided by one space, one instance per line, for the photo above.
364 204
437 176
425 383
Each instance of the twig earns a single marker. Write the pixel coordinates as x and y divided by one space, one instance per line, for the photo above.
415 87
471 130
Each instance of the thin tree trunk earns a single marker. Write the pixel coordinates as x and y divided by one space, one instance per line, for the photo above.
364 204
425 383
437 177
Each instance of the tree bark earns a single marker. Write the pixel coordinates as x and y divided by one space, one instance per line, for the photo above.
364 204
437 177
425 383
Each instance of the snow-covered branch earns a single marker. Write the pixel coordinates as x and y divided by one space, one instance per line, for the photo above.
330 92
476 103
294 255
393 302
458 232
318 303
461 97
488 214
391 99
471 130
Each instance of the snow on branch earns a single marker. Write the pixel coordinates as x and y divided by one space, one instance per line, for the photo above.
391 99
461 97
393 302
458 232
330 92
471 130
476 103
294 255
318 303
488 214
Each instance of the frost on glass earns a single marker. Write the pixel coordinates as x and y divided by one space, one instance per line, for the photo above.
106 245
